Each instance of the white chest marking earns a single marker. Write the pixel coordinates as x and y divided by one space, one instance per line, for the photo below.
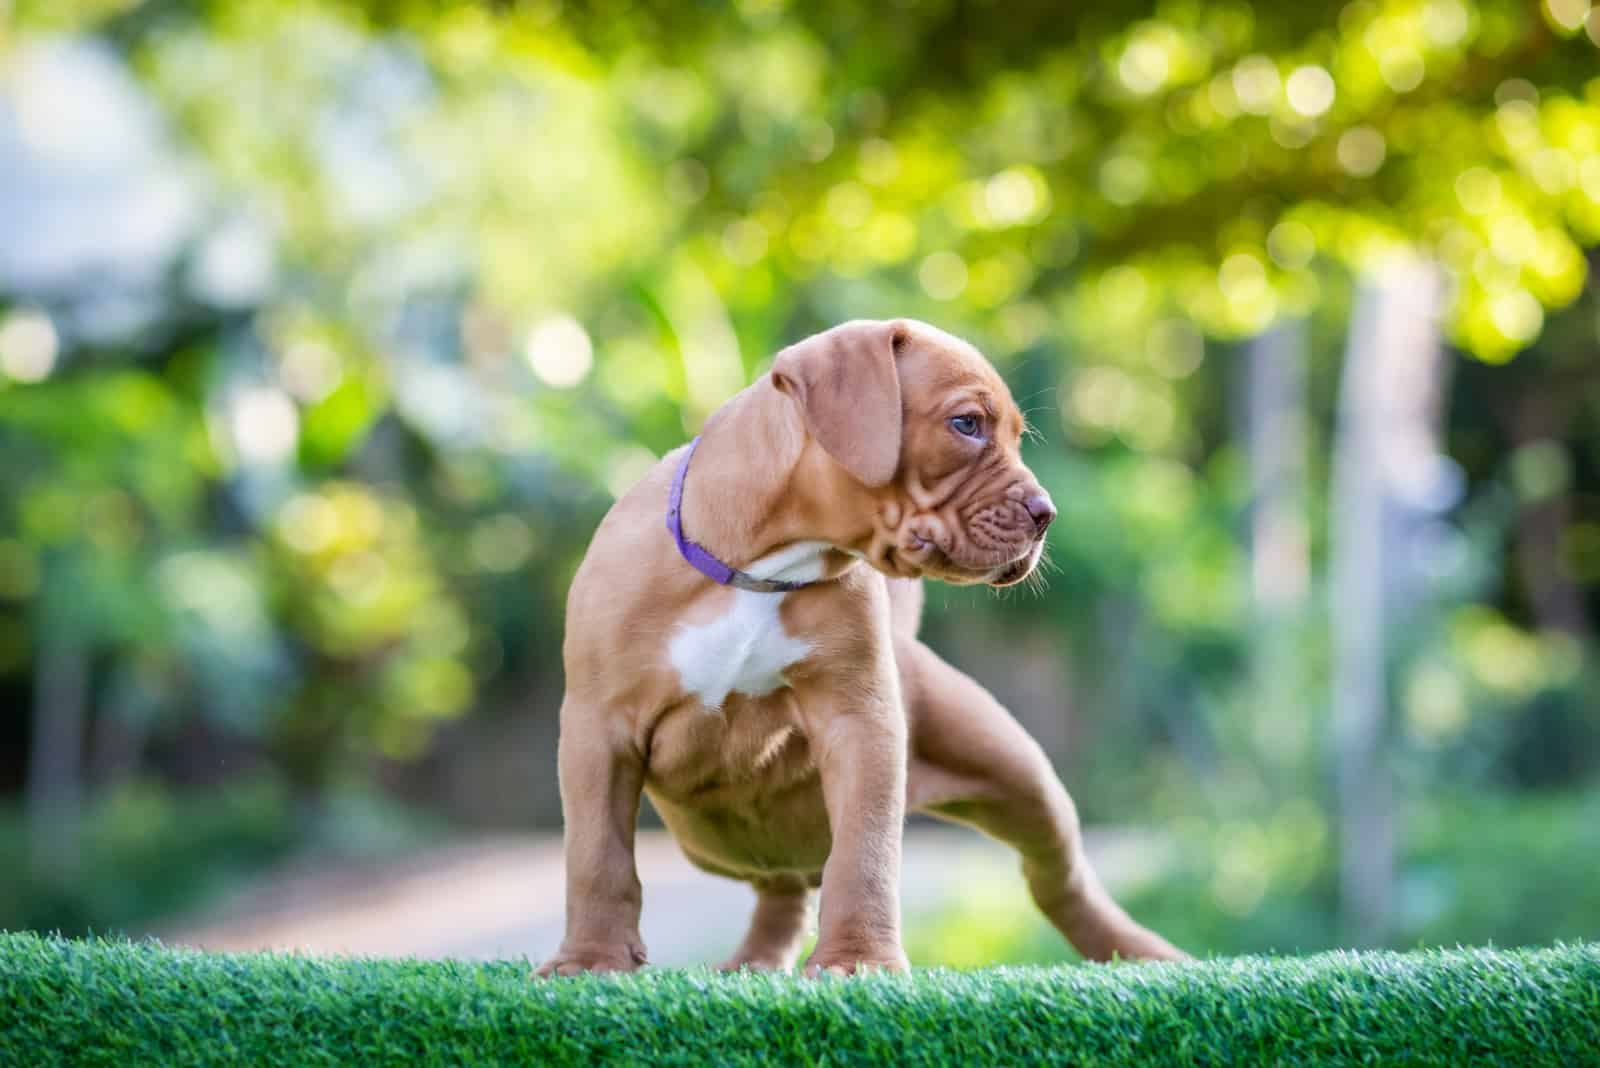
798 562
746 649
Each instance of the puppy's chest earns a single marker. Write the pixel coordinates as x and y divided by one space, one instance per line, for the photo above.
745 649
748 749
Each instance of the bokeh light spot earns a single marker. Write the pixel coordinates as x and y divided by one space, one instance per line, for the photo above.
1361 151
560 352
1541 470
744 241
1144 65
265 424
1435 704
309 523
1124 179
891 237
1401 68
1513 239
1241 277
500 543
28 345
1099 396
1589 178
1176 348
849 205
1291 245
943 275
880 163
1568 15
1256 84
310 370
1515 90
1554 170
1123 291
1446 22
1310 91
1517 315
1015 196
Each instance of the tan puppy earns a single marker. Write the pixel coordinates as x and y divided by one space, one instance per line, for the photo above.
783 735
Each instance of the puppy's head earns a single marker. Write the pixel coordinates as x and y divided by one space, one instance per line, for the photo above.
926 435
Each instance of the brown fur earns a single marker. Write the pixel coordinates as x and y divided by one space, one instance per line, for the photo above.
848 442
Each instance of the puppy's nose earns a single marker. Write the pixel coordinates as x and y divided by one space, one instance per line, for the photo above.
1042 508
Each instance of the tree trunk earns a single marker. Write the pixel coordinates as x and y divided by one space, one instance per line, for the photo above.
1279 541
1386 451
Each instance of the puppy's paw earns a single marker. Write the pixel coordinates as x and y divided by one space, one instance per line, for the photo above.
595 959
1158 948
835 964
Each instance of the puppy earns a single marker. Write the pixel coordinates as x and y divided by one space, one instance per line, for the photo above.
742 646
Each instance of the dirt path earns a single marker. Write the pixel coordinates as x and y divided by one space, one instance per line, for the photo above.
502 898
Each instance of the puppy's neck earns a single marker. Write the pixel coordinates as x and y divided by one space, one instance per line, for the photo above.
762 497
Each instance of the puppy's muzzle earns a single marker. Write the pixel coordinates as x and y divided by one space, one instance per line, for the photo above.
1041 510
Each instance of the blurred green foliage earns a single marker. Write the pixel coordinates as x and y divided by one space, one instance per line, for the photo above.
152 853
448 277
1476 870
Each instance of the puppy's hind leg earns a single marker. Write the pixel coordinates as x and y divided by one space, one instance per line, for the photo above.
777 929
972 763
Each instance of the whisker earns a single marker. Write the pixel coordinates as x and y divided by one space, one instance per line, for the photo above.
1035 581
1028 429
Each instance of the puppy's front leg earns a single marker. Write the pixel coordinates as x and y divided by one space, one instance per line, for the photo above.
862 760
601 778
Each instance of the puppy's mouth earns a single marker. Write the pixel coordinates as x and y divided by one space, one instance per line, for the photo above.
1014 572
923 557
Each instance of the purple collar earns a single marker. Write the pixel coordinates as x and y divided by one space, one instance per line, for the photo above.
699 556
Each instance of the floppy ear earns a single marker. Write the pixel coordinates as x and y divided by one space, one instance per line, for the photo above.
849 389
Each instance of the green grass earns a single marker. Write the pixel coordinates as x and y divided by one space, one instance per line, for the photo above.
121 1003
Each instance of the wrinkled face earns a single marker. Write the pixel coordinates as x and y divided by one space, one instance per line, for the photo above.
962 507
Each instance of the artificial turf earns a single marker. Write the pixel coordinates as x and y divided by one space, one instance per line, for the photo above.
121 1003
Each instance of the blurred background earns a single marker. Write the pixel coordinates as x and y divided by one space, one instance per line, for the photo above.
328 331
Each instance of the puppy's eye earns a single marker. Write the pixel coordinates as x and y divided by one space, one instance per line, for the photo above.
967 426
